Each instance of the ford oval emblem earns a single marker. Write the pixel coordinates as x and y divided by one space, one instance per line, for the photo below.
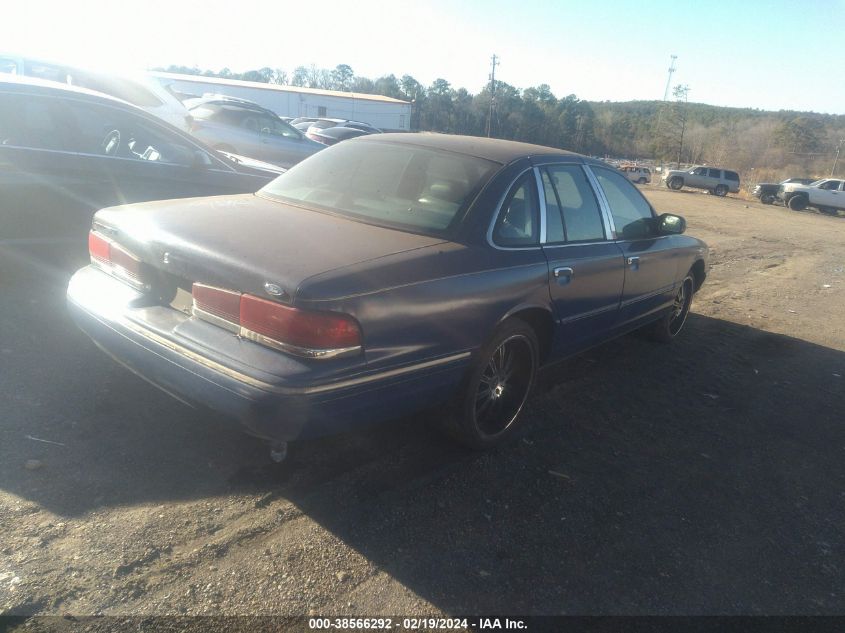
273 289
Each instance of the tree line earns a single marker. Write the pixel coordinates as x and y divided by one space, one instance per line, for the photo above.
761 145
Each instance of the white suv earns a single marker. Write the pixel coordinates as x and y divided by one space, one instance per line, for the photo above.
639 175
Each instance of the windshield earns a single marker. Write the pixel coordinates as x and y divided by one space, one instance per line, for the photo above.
393 185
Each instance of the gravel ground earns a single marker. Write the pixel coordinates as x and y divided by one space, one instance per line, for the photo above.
702 477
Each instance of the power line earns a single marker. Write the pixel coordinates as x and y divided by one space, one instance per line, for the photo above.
492 95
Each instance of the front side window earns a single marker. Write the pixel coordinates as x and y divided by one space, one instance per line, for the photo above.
631 213
107 131
699 171
518 223
575 208
830 185
277 127
394 185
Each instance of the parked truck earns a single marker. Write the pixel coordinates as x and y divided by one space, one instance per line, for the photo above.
826 195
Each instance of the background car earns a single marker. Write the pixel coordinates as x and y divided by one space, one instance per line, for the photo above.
387 274
639 175
66 152
332 135
767 192
715 180
322 124
135 88
243 127
827 195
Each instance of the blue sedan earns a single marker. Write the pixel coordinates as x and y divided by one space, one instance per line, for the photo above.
382 276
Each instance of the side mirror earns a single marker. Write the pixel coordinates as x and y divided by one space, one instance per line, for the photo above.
670 224
201 160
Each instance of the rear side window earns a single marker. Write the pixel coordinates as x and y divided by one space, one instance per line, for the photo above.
731 175
574 215
32 122
518 223
631 213
715 173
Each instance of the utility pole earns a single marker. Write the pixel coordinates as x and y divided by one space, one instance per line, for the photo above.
492 95
669 79
681 92
836 158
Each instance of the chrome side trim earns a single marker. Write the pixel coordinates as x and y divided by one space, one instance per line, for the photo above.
304 352
496 217
295 391
604 205
542 200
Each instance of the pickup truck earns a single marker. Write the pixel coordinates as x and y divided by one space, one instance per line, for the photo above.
826 195
768 191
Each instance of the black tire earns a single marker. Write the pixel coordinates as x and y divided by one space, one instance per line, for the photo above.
486 411
675 183
671 324
798 203
721 191
641 181
828 211
767 198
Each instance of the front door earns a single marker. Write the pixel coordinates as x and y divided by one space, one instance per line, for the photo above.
650 259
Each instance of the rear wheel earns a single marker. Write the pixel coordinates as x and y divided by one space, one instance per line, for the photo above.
642 180
496 388
798 203
675 183
721 191
828 210
672 323
767 198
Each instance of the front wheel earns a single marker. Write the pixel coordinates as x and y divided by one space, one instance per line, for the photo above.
497 387
767 198
667 328
675 183
641 181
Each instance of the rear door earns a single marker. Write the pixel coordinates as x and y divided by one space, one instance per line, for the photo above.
41 180
586 268
650 259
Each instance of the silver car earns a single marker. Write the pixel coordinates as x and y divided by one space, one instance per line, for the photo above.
715 180
241 127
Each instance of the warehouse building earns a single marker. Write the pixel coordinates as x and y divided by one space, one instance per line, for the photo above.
382 112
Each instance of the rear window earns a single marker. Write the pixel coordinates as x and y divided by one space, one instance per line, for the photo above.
392 185
731 175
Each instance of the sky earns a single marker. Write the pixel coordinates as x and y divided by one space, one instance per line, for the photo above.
780 54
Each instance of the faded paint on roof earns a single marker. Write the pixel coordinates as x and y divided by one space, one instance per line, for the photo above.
278 87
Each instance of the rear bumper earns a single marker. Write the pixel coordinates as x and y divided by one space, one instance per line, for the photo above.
282 401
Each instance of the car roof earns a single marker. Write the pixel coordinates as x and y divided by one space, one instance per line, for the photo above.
494 149
33 85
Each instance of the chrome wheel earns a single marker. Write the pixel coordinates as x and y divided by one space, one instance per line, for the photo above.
681 306
503 385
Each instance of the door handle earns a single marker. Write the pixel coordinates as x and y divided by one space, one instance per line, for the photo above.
563 274
633 261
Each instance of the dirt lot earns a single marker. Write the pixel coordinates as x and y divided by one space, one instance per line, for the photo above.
704 477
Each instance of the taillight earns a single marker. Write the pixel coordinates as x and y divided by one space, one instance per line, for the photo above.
116 260
300 332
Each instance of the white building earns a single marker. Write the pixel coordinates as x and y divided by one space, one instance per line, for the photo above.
384 113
